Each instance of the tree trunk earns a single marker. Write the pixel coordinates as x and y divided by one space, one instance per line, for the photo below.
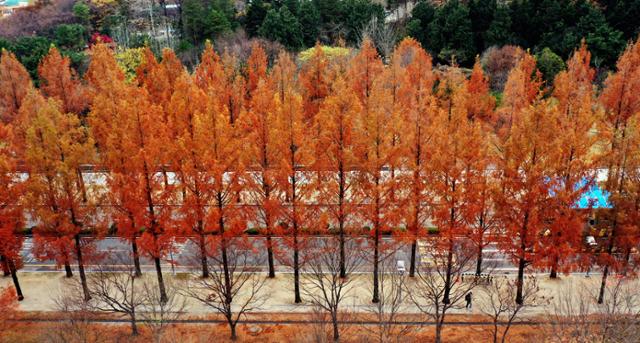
14 276
234 336
554 273
438 337
447 282
376 257
5 266
134 327
272 271
67 268
136 257
225 259
520 281
296 268
479 261
341 219
343 267
522 263
203 257
603 285
505 332
412 266
336 332
83 276
163 292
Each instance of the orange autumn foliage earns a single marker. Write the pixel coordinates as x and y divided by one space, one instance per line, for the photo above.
60 81
15 83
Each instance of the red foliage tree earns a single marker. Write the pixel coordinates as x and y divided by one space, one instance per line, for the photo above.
56 146
314 82
132 137
523 204
11 221
262 158
296 150
575 169
58 80
336 183
376 153
454 161
622 105
481 105
15 83
418 104
190 162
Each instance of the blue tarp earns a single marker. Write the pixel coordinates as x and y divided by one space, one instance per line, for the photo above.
595 197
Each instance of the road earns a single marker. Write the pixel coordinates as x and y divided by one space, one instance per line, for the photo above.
184 258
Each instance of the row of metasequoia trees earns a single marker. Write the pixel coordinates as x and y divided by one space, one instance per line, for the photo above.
352 145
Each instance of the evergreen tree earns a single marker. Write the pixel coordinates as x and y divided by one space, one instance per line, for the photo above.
549 64
200 22
422 15
256 12
604 42
217 22
357 13
481 13
309 18
70 36
293 6
526 25
226 8
282 26
30 51
194 19
499 32
623 15
450 33
330 11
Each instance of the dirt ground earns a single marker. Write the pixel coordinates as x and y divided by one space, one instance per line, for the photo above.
280 333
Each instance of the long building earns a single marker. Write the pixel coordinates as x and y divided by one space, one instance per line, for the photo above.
7 7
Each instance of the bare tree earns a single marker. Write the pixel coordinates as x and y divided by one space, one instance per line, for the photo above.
75 324
322 283
429 289
569 316
158 315
498 303
116 291
384 36
231 289
319 323
576 316
391 305
619 314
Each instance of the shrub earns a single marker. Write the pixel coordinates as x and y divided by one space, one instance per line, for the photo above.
497 62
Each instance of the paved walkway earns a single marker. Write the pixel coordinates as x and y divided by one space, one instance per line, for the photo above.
42 289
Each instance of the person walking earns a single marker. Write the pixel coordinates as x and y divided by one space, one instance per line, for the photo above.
467 298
